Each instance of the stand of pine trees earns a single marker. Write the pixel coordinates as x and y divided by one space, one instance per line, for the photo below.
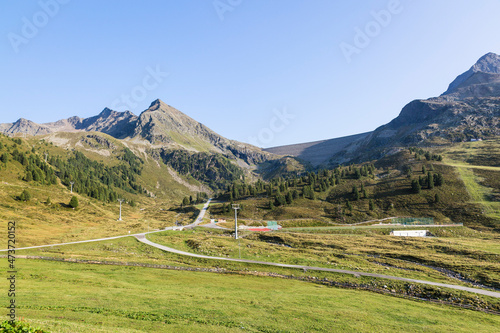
90 178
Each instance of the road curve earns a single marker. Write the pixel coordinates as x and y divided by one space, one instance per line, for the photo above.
142 238
195 223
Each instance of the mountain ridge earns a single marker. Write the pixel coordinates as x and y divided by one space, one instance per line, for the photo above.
160 124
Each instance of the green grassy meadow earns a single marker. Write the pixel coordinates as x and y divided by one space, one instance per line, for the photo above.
66 297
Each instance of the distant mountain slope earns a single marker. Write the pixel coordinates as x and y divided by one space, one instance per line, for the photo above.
24 126
317 152
116 124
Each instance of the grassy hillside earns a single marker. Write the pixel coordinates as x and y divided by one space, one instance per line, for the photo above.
46 218
478 164
153 191
364 192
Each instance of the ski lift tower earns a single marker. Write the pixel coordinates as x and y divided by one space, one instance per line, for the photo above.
236 207
120 201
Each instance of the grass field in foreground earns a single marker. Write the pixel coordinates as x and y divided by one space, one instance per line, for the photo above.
64 297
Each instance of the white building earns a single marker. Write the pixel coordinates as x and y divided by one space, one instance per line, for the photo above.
409 233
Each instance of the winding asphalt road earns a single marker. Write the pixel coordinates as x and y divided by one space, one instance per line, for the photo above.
142 238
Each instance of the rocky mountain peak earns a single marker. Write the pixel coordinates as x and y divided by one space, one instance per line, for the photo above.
485 71
106 112
489 63
158 104
23 125
22 121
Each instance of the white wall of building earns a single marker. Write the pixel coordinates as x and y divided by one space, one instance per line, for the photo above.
409 233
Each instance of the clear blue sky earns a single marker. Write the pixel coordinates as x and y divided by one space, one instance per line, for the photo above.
231 68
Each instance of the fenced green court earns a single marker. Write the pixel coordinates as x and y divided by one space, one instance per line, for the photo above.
412 220
272 225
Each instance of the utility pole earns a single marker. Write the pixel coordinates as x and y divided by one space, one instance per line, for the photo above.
72 183
236 207
120 200
46 155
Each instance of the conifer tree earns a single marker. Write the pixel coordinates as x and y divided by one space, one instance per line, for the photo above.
371 205
415 186
355 193
430 180
73 202
438 179
25 196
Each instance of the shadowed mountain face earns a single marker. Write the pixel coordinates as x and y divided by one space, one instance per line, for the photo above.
318 152
470 108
